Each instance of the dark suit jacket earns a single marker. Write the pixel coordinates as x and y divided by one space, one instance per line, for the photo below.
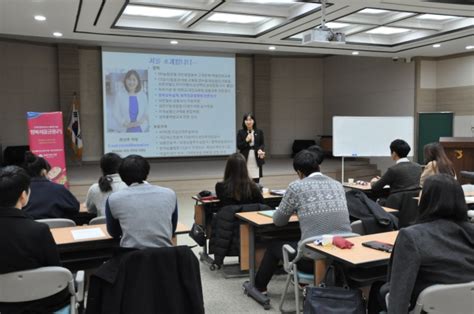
425 254
50 200
26 244
244 147
404 176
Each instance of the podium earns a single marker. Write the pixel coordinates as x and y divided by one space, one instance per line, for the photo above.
460 151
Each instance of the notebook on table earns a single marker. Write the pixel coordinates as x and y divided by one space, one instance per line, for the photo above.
268 213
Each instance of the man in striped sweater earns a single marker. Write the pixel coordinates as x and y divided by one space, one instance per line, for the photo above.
321 206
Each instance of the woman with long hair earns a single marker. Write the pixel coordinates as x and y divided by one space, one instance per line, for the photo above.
109 182
237 187
436 162
47 199
438 249
251 144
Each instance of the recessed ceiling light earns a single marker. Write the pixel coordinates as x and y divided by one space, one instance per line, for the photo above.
336 25
435 17
373 11
142 10
40 18
57 34
384 30
236 18
436 45
174 42
470 47
355 53
271 48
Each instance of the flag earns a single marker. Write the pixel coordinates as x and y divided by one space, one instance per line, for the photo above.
74 129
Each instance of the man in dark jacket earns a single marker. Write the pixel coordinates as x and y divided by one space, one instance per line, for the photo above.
25 243
403 176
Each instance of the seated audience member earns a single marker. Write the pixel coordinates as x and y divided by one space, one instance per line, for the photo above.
436 162
25 243
320 204
403 176
109 182
47 199
437 250
318 151
144 215
237 187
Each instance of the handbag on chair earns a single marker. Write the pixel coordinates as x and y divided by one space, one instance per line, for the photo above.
328 298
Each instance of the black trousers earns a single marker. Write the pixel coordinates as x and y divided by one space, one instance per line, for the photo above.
269 265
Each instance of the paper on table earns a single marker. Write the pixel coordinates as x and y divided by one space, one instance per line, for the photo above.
87 233
469 199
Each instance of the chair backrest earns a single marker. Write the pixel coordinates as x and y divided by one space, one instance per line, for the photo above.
358 227
98 221
57 222
30 285
453 299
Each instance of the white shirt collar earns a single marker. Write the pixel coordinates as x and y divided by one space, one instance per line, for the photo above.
404 159
315 174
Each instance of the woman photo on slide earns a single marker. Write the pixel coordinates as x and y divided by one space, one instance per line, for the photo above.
131 110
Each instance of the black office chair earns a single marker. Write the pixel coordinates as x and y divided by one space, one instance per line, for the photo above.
407 207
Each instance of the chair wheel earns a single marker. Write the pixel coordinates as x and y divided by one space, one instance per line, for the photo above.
266 306
212 267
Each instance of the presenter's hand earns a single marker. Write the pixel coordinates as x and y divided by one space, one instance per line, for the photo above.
261 154
249 138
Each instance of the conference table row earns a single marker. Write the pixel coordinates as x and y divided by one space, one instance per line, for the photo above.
88 246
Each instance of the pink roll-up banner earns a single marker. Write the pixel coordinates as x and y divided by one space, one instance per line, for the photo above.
45 134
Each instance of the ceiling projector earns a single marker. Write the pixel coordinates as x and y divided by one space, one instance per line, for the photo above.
323 34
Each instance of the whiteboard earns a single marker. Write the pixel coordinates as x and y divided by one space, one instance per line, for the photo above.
369 136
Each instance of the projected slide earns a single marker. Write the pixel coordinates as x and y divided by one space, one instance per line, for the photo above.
159 105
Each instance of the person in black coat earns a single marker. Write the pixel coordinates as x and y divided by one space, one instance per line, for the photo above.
251 143
25 243
47 199
237 187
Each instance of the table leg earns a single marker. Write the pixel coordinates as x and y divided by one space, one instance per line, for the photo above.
252 255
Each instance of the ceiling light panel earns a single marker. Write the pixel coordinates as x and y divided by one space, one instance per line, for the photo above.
179 4
384 30
148 11
237 18
337 25
373 11
382 18
436 17
272 2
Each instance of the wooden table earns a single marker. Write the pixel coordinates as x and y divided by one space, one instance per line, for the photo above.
367 189
83 254
359 255
355 186
180 229
92 252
